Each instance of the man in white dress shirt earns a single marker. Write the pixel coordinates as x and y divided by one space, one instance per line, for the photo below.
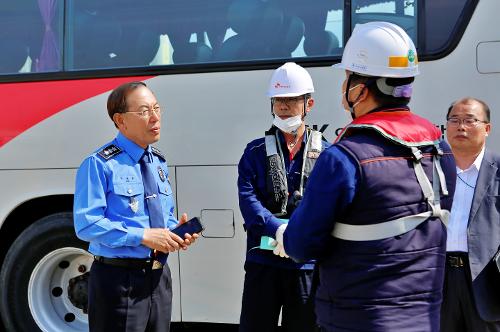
471 299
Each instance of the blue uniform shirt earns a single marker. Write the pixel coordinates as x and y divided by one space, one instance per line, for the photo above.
109 206
330 188
259 221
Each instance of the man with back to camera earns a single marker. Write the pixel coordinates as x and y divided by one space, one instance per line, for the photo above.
124 207
471 293
375 208
272 174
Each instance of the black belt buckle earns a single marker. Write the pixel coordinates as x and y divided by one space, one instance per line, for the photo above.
455 261
130 263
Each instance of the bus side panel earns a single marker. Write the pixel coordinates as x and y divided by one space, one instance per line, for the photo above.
212 269
23 185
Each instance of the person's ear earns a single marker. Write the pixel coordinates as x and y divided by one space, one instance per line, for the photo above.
310 104
118 119
363 94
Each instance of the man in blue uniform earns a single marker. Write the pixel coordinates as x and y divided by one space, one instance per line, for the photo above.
377 201
124 207
272 174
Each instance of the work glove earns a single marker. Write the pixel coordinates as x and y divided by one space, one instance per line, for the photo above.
279 249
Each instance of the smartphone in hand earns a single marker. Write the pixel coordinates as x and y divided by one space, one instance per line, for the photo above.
191 226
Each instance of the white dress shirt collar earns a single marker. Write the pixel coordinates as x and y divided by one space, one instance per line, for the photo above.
462 202
476 163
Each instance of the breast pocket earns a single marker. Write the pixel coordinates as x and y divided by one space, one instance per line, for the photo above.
167 198
127 198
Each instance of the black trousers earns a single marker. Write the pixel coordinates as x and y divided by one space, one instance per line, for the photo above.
458 311
124 299
267 290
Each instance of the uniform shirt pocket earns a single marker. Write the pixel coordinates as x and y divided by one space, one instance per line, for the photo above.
127 198
167 199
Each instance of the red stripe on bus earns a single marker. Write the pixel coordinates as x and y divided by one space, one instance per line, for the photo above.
26 104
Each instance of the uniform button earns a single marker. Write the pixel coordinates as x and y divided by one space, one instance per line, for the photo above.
129 191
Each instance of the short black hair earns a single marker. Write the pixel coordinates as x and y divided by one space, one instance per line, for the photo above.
117 100
468 100
381 98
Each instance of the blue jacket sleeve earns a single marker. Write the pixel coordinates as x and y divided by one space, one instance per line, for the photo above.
330 189
258 219
90 221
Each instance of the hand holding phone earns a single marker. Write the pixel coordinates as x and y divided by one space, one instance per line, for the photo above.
190 227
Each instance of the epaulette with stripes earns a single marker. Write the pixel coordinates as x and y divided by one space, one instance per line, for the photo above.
109 151
158 153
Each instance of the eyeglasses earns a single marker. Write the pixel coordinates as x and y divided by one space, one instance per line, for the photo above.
286 100
467 122
148 112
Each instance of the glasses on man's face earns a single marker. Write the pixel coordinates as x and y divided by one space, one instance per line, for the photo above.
145 112
287 100
467 122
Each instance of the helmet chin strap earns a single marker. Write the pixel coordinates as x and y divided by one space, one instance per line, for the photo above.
353 104
305 107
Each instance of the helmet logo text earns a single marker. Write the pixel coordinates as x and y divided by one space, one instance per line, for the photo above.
283 86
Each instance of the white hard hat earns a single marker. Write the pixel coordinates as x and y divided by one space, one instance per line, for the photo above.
290 80
380 49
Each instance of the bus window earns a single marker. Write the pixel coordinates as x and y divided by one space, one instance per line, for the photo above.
282 29
95 33
137 34
30 36
435 32
128 33
400 12
442 18
125 33
195 29
323 22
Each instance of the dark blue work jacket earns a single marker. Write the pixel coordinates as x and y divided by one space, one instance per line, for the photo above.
393 284
253 194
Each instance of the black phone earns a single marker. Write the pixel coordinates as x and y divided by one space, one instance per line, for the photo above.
191 226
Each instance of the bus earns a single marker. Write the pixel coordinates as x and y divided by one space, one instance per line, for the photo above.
209 63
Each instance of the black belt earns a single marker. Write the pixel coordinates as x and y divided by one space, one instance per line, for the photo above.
131 263
456 259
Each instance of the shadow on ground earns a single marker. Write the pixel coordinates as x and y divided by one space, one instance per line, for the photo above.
197 327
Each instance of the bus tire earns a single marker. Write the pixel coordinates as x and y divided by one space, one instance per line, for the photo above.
42 262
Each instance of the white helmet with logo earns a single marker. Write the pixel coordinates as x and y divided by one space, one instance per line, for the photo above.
380 49
290 80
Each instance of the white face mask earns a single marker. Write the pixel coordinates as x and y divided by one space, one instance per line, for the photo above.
289 125
349 110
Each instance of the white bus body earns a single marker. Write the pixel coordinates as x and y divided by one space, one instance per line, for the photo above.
210 117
